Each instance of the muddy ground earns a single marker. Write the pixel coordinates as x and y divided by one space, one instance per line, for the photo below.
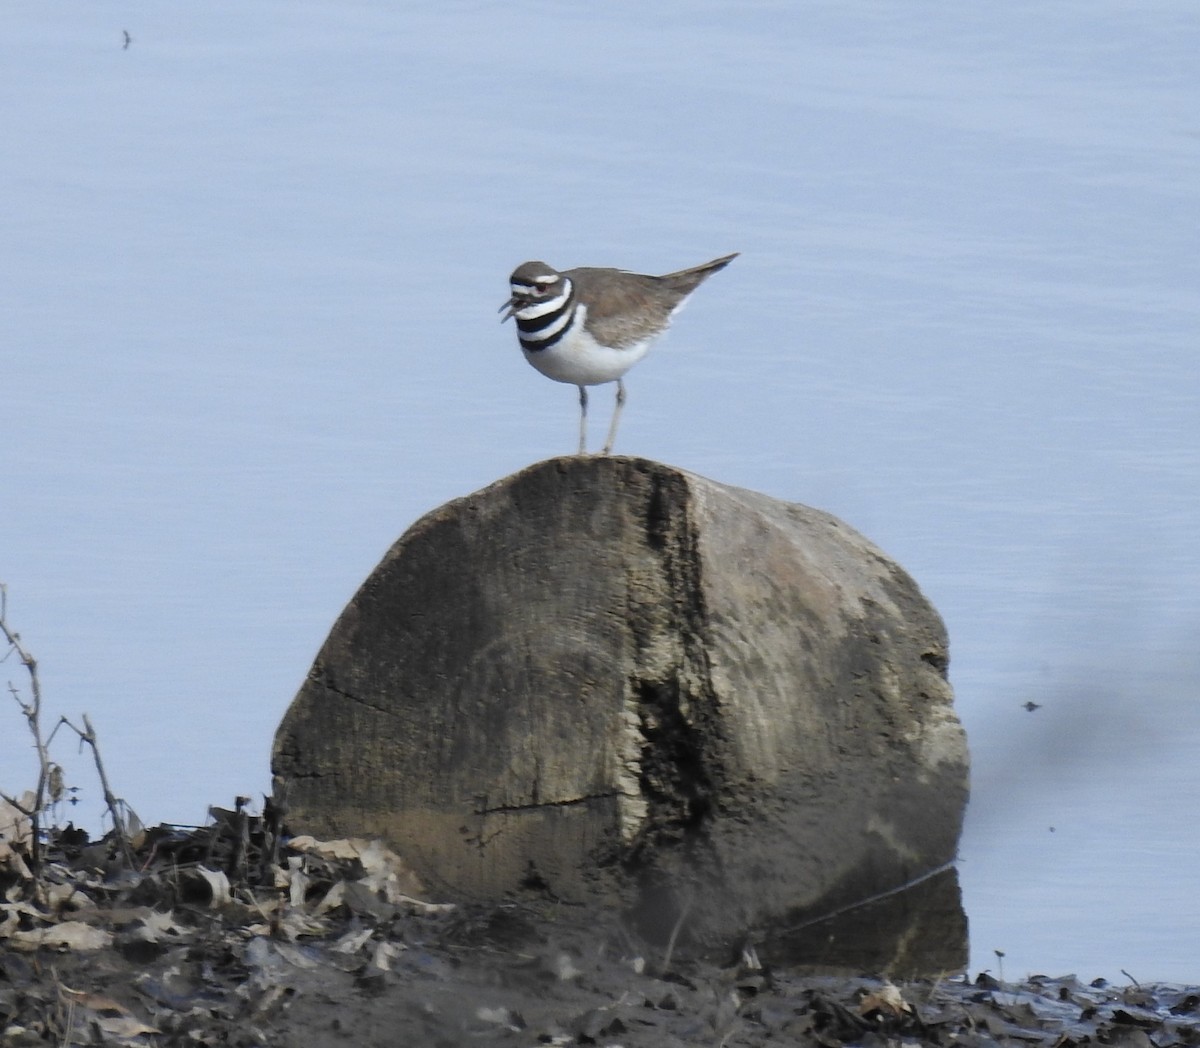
223 935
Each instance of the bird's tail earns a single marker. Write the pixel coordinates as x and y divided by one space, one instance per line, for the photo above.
687 280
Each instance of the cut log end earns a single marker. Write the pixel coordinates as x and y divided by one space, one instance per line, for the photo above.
617 684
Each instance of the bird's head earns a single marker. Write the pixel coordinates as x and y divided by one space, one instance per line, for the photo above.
532 283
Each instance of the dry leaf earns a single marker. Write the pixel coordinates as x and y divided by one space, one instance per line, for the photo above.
297 956
352 942
10 923
886 999
384 871
343 849
297 881
377 859
158 926
96 1002
58 896
332 900
385 953
499 1016
124 1026
292 926
419 906
70 935
22 909
15 862
564 968
388 873
15 826
218 884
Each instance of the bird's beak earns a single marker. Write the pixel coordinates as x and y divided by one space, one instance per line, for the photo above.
512 305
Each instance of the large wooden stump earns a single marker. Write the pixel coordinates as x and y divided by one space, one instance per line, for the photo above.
617 684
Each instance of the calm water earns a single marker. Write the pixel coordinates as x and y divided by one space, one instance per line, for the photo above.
249 270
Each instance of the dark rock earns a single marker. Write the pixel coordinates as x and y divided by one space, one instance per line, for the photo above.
611 683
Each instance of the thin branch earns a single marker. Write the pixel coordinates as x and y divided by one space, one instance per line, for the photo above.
115 804
27 812
49 773
27 660
32 711
683 915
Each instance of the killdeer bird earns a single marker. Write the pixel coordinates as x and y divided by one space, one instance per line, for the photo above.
589 326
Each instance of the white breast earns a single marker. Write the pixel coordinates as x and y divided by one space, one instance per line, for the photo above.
579 359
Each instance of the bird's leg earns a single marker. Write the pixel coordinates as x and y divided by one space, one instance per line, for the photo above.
583 420
612 429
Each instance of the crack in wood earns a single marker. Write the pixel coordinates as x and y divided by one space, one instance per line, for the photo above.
501 809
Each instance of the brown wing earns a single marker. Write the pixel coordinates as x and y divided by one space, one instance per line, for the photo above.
624 307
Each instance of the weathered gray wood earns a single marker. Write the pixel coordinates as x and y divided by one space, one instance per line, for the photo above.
619 684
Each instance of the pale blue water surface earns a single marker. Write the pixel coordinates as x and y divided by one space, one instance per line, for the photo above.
249 271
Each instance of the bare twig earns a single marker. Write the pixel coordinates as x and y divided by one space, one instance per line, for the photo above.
27 812
275 808
239 869
116 806
27 660
65 995
683 915
33 713
50 775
